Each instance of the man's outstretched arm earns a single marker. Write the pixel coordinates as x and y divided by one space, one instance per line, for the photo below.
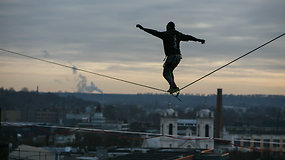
191 38
150 31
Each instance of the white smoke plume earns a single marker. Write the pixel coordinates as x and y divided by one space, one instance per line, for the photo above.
82 85
46 54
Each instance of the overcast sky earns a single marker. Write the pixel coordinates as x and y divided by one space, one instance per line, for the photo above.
101 36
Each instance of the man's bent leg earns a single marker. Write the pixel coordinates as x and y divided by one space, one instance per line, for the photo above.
169 66
168 75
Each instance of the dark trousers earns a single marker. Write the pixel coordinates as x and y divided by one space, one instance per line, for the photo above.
169 65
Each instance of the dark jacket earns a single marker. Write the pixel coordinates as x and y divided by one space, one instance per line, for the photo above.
171 40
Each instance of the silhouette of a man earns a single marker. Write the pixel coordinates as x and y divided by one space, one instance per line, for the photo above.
171 42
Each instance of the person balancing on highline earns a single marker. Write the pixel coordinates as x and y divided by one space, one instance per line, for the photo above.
171 42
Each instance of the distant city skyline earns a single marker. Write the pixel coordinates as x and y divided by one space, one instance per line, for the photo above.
101 36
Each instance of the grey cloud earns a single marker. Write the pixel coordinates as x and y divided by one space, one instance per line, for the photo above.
105 30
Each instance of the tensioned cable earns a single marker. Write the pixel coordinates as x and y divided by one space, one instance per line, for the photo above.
75 129
231 62
153 135
24 125
83 70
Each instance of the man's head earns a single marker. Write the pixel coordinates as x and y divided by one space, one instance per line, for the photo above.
170 26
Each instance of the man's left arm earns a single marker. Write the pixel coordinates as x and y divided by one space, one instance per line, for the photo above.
191 38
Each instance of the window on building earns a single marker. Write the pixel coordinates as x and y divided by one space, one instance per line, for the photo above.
237 143
246 143
170 129
276 143
266 143
198 130
207 130
256 143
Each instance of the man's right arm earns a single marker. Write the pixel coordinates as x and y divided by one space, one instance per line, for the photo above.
150 31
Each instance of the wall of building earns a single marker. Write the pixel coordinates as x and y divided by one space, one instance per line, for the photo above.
262 142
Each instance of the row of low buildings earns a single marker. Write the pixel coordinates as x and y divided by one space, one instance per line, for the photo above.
242 138
90 119
199 134
255 138
16 115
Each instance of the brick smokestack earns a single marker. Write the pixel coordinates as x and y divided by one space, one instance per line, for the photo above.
219 119
0 117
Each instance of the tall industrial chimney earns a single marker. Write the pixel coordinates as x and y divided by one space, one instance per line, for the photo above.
0 117
219 119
